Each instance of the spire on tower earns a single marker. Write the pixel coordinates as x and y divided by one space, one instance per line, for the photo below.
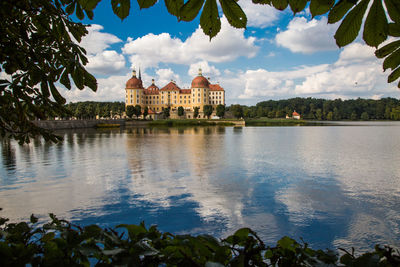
140 74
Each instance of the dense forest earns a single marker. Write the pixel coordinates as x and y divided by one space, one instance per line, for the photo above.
308 108
322 109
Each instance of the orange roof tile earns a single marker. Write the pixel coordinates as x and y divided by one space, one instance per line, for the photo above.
295 113
171 86
216 87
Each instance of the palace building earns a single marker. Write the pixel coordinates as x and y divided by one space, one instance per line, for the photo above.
201 93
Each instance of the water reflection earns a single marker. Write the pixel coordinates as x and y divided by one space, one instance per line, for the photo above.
333 186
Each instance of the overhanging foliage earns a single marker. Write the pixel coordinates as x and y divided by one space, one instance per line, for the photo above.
61 243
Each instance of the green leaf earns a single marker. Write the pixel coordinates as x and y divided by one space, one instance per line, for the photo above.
57 96
48 237
209 19
387 49
146 3
89 4
319 7
242 233
297 5
33 219
70 8
234 13
339 10
79 12
190 10
121 8
90 81
77 76
392 61
393 9
376 25
280 4
173 6
45 88
350 26
64 80
394 29
394 75
287 243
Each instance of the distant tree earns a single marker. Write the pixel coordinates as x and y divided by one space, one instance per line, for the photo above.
181 111
130 111
353 116
79 111
329 117
196 112
237 111
364 116
145 112
166 112
138 111
220 111
207 109
318 114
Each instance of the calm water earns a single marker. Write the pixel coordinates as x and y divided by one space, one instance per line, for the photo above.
331 185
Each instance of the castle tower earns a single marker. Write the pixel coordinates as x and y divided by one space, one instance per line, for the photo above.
134 91
200 91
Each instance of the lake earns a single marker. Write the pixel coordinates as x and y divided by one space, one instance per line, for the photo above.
334 186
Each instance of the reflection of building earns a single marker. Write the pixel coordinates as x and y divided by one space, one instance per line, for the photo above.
200 94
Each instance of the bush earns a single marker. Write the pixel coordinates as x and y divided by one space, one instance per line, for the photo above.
62 243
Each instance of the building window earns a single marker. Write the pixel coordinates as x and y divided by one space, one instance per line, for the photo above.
189 102
198 94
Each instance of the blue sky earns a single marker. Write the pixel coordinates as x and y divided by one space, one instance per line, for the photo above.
278 56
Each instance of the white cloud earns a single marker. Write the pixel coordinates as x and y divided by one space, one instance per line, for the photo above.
228 45
207 70
260 16
164 76
308 36
357 73
106 62
96 42
109 89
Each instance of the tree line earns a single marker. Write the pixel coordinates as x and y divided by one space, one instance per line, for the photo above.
91 109
322 109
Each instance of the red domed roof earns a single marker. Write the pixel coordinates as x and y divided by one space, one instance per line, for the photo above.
200 81
134 83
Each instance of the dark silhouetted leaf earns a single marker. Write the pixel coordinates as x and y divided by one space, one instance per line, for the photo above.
392 61
319 7
350 26
89 4
146 3
297 5
376 25
234 13
190 10
209 19
394 29
280 4
393 9
394 75
173 6
339 10
387 49
121 8
79 12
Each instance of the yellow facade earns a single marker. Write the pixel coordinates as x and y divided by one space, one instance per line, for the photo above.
201 93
